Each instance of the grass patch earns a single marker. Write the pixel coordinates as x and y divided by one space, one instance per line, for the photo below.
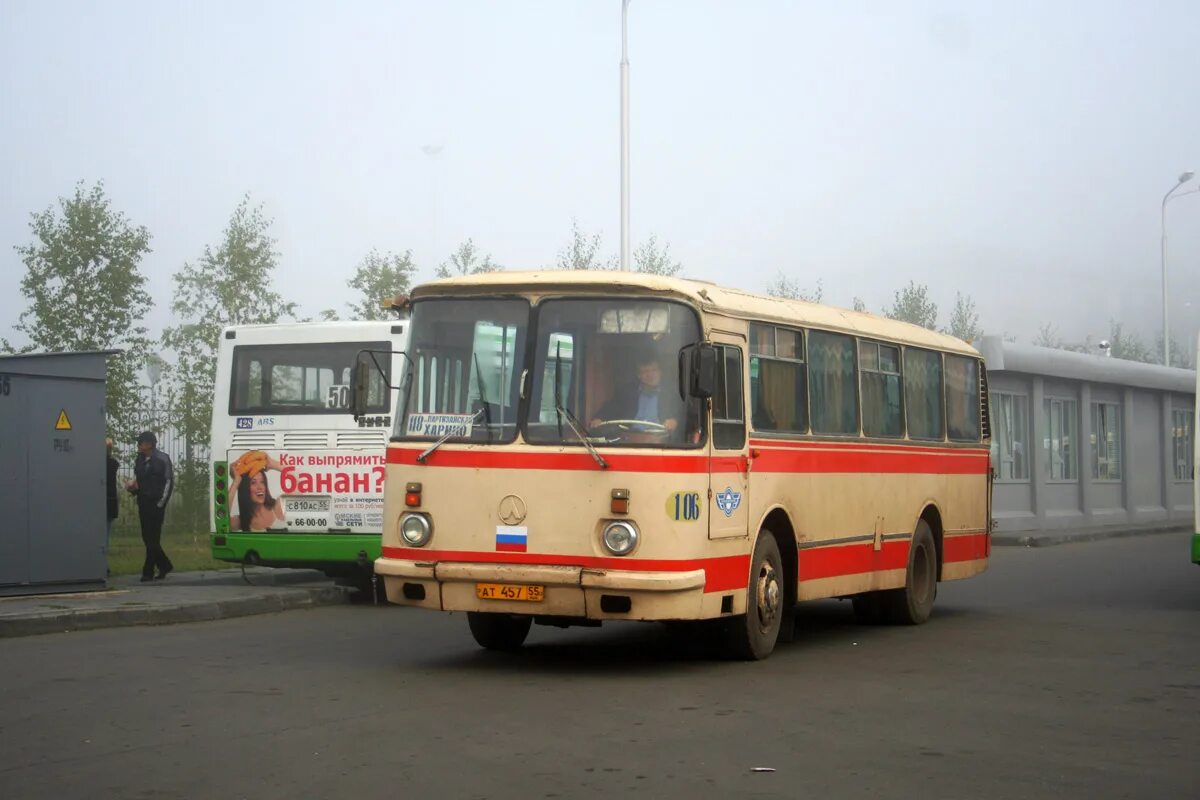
188 551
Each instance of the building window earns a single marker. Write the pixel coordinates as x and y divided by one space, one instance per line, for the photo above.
1059 443
1106 441
923 394
962 398
1182 437
1010 436
778 394
834 401
879 365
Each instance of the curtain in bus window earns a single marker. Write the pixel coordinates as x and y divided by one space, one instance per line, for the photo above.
923 394
778 394
962 398
881 411
831 381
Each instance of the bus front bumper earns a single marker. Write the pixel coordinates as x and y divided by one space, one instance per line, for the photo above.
579 592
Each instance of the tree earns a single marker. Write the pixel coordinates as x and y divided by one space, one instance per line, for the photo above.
859 305
964 321
582 252
380 277
1128 346
912 304
229 285
1048 337
1180 355
790 289
651 260
465 261
86 292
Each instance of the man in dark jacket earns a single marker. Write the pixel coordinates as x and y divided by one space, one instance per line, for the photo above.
643 400
153 482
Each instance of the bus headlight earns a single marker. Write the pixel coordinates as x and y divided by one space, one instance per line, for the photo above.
620 538
415 530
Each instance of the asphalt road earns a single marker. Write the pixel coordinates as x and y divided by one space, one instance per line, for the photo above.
1064 672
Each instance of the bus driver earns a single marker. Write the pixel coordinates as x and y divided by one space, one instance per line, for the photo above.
642 400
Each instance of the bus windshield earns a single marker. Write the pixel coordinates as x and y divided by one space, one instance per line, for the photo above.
610 367
280 379
467 358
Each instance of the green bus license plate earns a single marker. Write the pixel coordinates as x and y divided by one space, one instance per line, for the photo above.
508 591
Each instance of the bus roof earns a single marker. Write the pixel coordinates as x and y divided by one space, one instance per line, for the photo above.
708 296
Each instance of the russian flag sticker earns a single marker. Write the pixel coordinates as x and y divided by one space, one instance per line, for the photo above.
512 539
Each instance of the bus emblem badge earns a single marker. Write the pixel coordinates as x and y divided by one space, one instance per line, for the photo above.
729 500
512 510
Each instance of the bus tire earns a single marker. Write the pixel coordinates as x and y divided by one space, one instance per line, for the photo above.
498 631
752 636
913 604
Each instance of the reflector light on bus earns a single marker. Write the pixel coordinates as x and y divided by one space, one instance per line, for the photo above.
620 501
412 495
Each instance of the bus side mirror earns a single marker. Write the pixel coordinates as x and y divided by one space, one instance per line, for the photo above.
359 391
700 367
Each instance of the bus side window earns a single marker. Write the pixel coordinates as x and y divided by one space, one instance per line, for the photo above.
729 421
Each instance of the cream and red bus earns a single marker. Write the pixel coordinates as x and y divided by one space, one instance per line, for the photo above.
576 447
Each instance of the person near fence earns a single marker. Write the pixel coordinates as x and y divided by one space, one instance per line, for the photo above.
153 483
110 487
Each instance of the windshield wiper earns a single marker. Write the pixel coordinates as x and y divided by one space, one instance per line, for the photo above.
487 411
575 424
449 434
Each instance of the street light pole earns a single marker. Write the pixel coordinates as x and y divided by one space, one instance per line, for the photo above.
624 138
1184 178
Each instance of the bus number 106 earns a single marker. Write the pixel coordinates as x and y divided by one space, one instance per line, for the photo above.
684 506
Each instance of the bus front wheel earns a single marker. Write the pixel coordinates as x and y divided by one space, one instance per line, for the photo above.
752 636
498 631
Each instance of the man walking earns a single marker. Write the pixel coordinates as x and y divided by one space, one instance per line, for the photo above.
155 478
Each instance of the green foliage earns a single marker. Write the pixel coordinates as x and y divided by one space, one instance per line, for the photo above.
583 252
650 259
465 261
86 292
912 304
790 289
1180 353
229 285
1129 346
964 320
382 277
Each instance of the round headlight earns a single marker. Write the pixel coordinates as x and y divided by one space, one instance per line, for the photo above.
415 529
620 538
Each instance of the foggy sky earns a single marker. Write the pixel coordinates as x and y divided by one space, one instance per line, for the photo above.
1018 154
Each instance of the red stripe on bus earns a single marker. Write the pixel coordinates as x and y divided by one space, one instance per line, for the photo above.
834 459
501 459
834 561
721 573
966 547
851 461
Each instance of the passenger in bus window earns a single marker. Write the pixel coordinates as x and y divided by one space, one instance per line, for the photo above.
643 400
257 509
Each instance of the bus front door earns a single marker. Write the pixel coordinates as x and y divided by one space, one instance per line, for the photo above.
729 484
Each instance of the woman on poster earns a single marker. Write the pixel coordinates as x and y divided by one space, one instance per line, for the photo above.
257 509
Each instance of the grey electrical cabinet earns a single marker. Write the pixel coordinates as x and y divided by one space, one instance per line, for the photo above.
52 480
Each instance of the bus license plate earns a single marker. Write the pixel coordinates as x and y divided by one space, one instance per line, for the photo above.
508 591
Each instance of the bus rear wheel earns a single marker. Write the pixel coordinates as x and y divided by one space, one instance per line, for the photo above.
498 631
752 636
913 604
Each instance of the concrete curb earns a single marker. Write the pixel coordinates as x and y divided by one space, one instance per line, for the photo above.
84 619
1049 539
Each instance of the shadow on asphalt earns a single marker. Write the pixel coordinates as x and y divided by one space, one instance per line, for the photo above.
624 648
